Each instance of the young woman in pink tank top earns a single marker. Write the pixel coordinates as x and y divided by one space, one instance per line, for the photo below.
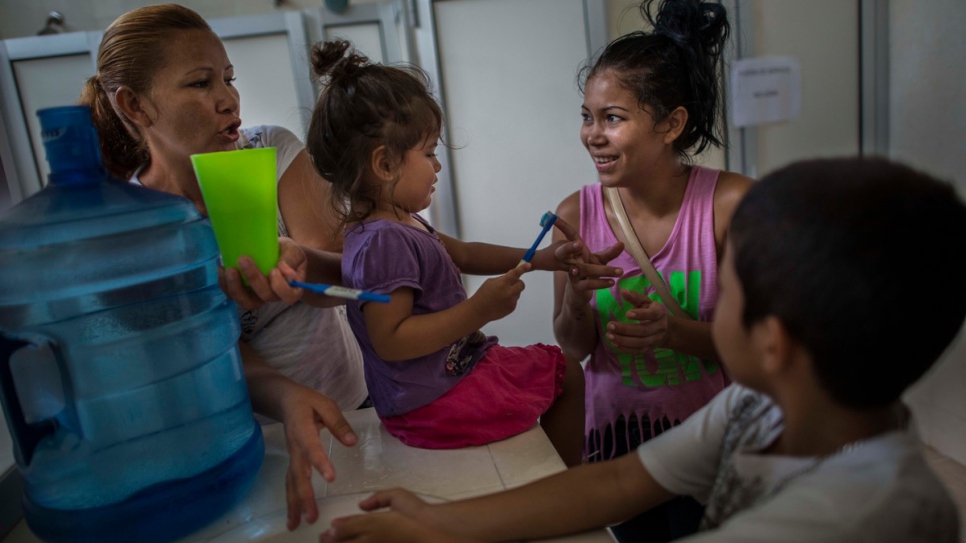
650 105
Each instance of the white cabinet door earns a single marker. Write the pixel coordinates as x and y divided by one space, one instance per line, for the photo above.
824 36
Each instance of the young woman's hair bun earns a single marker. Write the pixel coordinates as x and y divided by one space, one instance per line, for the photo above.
690 23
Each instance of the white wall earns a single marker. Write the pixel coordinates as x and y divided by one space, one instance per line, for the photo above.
513 112
927 95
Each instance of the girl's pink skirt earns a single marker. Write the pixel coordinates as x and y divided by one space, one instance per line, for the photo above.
502 396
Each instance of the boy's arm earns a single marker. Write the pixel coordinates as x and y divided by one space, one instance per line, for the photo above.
576 500
682 460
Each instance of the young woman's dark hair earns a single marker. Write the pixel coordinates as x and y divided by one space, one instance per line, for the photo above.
871 247
363 106
674 65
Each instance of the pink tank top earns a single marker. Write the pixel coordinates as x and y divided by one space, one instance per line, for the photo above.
662 383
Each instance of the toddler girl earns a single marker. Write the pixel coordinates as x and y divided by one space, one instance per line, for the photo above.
435 379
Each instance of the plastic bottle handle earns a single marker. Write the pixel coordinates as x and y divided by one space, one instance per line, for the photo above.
25 436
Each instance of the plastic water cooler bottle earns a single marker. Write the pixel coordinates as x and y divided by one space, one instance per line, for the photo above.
120 375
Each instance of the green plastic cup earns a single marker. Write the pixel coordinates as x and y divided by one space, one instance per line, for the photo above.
239 189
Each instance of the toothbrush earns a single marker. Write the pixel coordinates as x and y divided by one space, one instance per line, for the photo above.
342 292
546 222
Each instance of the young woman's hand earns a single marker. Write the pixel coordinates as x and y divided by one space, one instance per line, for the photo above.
304 413
497 297
292 264
650 328
561 254
591 273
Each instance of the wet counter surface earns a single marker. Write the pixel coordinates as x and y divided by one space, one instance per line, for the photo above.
377 462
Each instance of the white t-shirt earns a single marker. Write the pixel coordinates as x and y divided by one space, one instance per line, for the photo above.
312 346
878 490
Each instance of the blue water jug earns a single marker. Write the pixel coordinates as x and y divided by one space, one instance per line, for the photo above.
120 375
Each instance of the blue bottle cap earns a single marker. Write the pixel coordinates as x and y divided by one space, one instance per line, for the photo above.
70 141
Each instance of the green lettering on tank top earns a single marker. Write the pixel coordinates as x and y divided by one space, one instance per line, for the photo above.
672 368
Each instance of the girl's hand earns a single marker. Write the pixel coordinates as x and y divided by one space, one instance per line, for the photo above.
292 264
497 297
304 413
651 329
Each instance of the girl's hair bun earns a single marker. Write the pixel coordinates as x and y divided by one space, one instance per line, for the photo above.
329 59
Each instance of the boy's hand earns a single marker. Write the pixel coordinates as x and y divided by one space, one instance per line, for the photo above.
292 264
409 519
651 329
497 297
389 527
397 499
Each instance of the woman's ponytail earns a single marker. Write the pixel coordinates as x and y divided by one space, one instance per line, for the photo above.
121 152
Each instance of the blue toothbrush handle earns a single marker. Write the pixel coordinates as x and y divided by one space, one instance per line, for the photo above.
529 254
342 292
533 248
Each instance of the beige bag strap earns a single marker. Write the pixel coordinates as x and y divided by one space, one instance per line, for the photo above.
633 247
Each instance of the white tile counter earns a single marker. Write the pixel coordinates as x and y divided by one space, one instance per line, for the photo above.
377 462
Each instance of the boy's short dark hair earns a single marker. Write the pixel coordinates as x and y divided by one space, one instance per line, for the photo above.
862 261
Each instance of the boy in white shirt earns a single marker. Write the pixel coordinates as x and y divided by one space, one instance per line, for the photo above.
822 332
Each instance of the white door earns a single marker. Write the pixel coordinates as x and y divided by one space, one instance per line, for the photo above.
508 71
824 36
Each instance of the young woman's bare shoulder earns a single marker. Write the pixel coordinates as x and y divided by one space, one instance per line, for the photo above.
730 190
569 209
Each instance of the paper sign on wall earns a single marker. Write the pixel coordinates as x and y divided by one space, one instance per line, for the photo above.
765 90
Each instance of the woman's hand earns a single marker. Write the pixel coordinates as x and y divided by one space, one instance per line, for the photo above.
650 326
561 254
292 265
590 273
304 413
